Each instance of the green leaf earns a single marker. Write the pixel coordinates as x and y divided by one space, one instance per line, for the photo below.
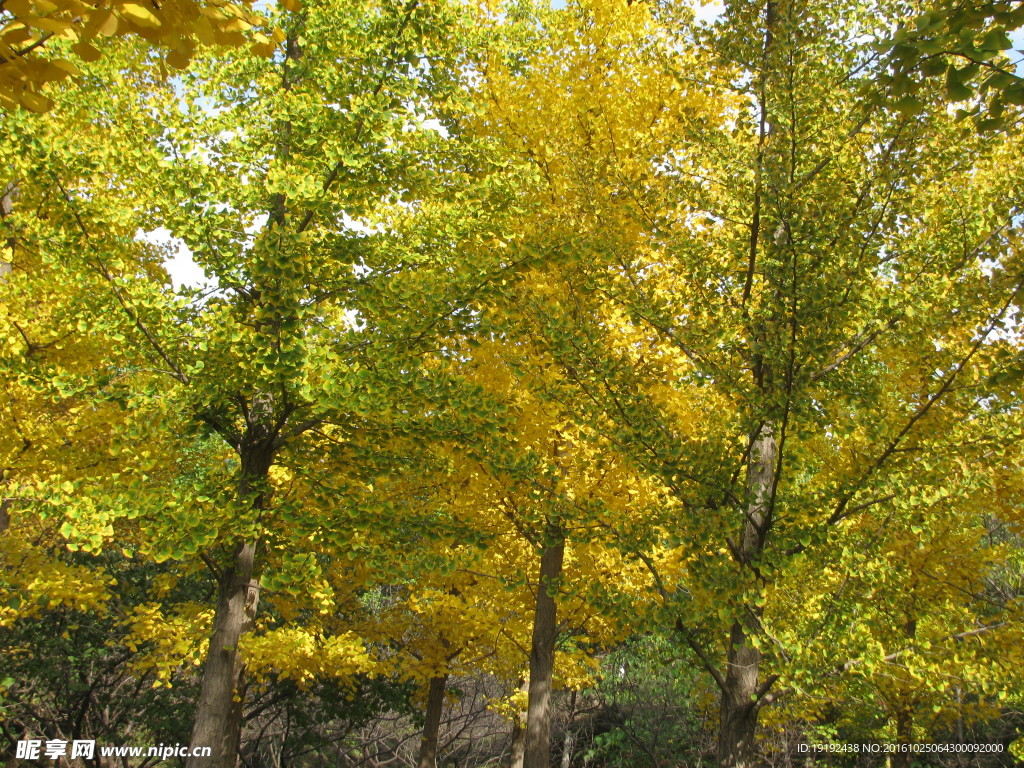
956 89
909 106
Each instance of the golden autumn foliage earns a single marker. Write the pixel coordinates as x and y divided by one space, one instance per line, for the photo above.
44 42
596 319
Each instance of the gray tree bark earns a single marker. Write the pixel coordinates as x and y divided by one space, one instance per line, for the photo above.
218 719
519 733
542 655
739 705
432 722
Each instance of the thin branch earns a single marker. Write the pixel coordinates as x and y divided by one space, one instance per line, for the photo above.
129 311
762 691
687 634
853 347
333 175
699 652
25 51
849 664
211 565
958 367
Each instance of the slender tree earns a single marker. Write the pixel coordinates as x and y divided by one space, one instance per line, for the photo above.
305 352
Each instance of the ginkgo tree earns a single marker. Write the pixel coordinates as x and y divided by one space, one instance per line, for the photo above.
781 310
523 579
305 357
586 101
904 626
556 496
61 396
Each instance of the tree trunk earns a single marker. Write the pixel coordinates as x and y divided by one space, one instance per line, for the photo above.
519 734
904 735
542 655
569 740
567 747
518 744
739 706
432 723
738 710
905 709
218 722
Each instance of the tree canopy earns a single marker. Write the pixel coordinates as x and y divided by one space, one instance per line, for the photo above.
539 346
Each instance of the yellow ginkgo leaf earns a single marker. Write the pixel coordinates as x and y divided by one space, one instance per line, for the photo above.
34 102
86 52
19 7
178 60
140 15
107 25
